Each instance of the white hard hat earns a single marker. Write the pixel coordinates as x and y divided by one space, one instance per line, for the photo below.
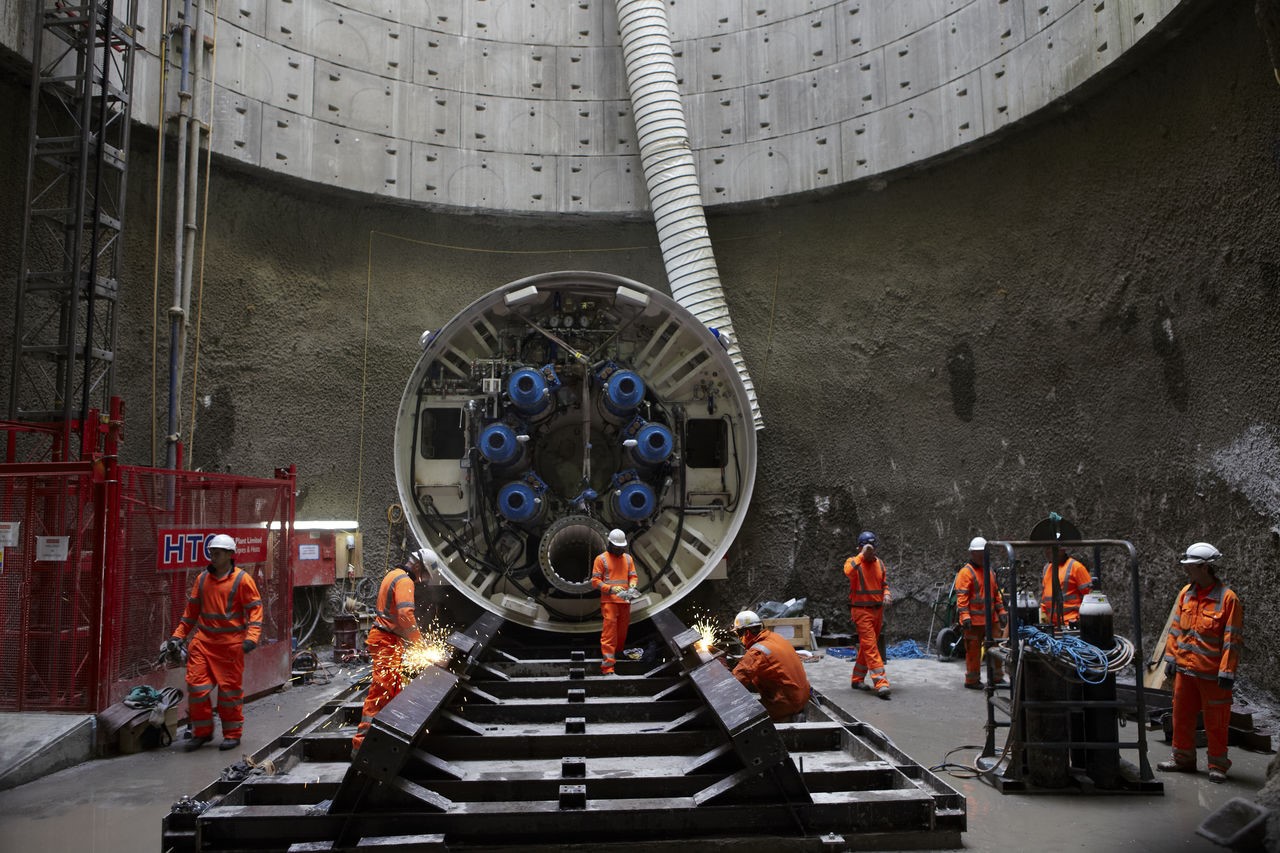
222 541
1201 552
977 544
617 538
746 621
427 558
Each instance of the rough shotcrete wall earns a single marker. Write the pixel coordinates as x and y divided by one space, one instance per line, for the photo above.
1082 319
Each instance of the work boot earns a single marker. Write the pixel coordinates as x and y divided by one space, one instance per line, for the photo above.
859 685
883 692
229 743
1175 766
973 685
1216 775
196 742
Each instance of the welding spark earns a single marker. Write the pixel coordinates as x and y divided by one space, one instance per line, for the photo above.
708 632
433 648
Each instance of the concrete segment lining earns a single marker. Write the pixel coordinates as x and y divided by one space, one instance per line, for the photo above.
749 72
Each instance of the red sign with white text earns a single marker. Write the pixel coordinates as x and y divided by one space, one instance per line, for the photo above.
184 548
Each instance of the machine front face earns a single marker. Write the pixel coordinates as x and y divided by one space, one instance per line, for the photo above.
555 409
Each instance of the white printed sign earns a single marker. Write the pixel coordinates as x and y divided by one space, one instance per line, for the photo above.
52 549
308 552
9 531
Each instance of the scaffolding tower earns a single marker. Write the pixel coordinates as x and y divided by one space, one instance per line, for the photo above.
73 214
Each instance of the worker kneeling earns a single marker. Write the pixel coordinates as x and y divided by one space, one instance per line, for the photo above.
771 668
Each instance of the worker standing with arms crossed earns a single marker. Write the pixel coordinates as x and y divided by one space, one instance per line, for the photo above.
868 594
223 617
395 626
971 583
614 574
1074 581
1201 654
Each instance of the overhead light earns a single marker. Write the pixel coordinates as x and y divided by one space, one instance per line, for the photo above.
320 525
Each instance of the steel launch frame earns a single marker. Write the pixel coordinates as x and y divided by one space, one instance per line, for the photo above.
518 743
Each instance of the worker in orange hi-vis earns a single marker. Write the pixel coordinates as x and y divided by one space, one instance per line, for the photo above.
1074 581
395 626
614 574
223 618
868 594
770 667
1201 653
971 609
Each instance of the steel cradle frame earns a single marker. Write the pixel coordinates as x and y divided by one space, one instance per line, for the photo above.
514 745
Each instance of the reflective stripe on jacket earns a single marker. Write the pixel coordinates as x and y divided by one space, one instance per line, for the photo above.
395 611
773 669
971 595
1206 635
866 581
610 570
1076 583
223 611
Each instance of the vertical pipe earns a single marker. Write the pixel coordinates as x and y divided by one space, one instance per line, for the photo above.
667 159
177 320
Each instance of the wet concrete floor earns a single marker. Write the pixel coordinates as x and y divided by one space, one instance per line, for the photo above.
116 805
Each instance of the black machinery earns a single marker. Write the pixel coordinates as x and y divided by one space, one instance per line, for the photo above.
516 744
1061 709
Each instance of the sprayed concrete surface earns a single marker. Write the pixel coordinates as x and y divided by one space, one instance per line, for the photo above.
116 805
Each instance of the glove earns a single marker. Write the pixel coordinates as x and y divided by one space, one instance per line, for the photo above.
1004 621
616 590
1169 669
1226 681
966 624
171 646
248 646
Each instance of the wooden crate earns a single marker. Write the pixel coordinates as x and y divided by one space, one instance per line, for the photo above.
796 629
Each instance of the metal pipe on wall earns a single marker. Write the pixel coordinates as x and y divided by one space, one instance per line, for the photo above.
181 238
667 159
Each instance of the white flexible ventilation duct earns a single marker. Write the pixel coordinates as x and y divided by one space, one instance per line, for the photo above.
670 175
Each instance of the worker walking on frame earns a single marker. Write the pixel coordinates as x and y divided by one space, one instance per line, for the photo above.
614 574
770 668
223 618
971 584
868 595
395 626
1200 654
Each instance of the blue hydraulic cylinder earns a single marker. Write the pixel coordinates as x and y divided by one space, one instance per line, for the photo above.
654 444
527 390
498 444
623 392
519 502
635 501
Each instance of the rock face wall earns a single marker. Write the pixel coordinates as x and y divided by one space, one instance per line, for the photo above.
1082 319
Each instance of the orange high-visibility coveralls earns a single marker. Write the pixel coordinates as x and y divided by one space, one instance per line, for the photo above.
867 597
1076 583
394 626
971 608
223 613
772 668
608 571
1204 645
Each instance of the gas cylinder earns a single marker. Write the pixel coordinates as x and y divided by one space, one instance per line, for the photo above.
1096 622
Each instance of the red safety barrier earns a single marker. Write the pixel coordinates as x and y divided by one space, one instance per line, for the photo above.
97 559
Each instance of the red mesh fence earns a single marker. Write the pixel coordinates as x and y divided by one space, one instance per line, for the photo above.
49 590
80 628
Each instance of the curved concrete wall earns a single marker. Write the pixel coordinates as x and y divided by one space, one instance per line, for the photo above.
1081 318
521 105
